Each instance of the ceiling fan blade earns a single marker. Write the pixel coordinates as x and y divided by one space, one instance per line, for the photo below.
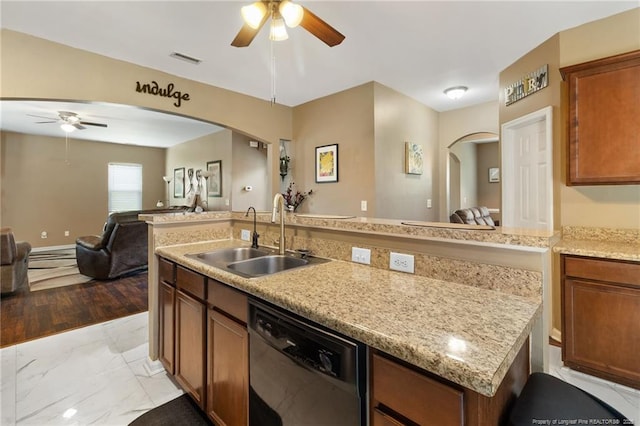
45 122
246 34
320 29
88 123
41 116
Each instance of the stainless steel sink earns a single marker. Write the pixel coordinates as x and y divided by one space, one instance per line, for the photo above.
228 255
249 262
267 265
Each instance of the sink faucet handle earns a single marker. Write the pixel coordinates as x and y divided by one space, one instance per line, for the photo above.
254 240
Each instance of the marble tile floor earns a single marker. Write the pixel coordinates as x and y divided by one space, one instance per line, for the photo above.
91 375
96 375
622 398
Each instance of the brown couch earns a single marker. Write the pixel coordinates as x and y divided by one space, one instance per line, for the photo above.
14 261
120 250
472 216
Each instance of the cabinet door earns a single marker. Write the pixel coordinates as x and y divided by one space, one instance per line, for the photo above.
601 333
228 371
190 345
604 130
382 419
167 300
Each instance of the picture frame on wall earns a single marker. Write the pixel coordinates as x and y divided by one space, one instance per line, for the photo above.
327 163
178 183
494 174
215 181
413 159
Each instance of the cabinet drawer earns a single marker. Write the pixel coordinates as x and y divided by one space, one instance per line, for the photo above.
228 300
415 396
191 282
167 271
602 269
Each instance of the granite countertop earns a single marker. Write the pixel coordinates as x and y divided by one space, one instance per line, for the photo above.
607 243
464 334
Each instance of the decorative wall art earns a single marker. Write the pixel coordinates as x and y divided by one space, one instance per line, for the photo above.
327 163
494 174
178 183
413 159
215 181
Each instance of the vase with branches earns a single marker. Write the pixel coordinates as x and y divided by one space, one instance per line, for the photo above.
295 198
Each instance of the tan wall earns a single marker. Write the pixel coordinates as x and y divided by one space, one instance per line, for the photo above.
249 168
488 192
454 125
467 153
345 118
25 58
195 154
399 119
41 191
610 206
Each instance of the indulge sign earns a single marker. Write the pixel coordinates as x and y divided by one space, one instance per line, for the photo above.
530 83
154 88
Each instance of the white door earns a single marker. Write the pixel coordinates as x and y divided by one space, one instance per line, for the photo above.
527 178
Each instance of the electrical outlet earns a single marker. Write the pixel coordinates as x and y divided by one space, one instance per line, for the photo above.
363 205
361 255
66 233
43 235
245 235
401 262
428 203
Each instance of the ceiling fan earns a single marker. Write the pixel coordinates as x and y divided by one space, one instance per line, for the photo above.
282 11
69 121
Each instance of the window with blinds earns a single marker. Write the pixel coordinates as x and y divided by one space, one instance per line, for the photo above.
125 187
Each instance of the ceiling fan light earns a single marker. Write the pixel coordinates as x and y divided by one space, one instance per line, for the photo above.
456 92
278 31
253 14
67 127
292 13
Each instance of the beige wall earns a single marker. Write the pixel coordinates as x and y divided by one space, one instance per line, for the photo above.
609 206
195 154
42 191
399 119
249 168
345 118
25 58
467 153
454 125
488 192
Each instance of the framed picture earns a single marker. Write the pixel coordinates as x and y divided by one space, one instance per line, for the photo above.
178 183
215 181
327 163
413 158
494 174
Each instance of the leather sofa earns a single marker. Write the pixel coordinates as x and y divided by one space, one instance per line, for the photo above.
14 262
121 249
472 216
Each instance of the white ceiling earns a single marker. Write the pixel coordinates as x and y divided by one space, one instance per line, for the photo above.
418 48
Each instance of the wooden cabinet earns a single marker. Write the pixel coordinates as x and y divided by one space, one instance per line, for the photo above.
604 130
601 318
166 313
227 356
402 395
190 334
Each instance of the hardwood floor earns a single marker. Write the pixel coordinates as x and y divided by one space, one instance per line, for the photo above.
27 315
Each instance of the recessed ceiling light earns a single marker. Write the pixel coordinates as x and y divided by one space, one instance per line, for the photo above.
185 58
456 92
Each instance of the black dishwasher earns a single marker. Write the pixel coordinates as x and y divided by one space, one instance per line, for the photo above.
301 374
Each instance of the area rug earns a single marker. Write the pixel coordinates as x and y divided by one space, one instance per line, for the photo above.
54 268
180 411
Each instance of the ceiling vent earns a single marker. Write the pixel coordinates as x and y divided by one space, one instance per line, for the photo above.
185 58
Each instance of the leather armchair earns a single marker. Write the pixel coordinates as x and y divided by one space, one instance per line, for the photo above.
121 249
472 216
14 261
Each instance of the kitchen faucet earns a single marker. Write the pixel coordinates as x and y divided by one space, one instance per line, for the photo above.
255 235
278 203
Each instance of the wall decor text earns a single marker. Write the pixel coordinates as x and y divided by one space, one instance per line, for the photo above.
154 88
530 83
